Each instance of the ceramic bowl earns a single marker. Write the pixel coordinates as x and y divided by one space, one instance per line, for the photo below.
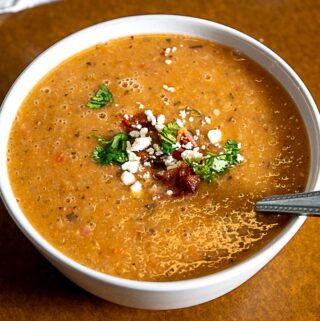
141 294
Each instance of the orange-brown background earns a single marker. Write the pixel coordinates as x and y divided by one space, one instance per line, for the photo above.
288 288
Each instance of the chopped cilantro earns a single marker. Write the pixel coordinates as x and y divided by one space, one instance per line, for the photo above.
209 168
111 151
168 136
102 97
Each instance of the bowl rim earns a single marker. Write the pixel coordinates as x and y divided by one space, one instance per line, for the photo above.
54 254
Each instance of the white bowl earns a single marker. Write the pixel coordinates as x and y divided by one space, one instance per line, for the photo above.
157 295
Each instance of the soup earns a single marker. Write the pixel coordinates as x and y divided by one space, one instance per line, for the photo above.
143 157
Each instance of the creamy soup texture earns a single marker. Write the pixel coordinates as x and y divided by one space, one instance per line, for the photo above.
87 212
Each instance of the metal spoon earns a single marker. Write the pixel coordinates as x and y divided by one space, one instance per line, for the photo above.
307 204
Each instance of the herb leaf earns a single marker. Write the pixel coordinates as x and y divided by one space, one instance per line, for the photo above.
214 165
111 151
168 136
102 97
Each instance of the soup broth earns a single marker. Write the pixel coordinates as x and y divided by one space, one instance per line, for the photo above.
150 231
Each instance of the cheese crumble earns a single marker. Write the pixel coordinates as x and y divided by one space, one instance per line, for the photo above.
214 136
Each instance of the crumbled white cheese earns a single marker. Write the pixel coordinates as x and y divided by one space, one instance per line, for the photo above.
147 164
140 105
240 158
203 123
167 50
159 127
167 88
134 134
177 164
191 119
128 149
203 147
126 116
174 49
131 166
182 114
198 132
127 178
137 126
132 156
141 143
160 122
136 187
168 61
169 160
179 122
214 135
161 119
239 145
191 154
151 118
146 175
216 112
169 192
143 132
188 145
150 151
157 149
207 120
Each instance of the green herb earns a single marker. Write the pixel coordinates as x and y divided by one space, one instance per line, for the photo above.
193 111
214 165
111 151
168 136
102 97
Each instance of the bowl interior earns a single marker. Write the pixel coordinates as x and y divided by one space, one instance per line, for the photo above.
155 24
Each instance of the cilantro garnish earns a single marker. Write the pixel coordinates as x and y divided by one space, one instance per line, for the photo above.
111 151
209 168
168 136
102 97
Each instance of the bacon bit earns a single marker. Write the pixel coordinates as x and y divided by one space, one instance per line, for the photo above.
139 118
182 179
157 163
143 155
188 180
169 177
183 132
177 153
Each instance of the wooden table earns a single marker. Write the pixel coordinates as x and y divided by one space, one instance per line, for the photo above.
286 289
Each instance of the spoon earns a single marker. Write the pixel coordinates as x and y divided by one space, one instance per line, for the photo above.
306 204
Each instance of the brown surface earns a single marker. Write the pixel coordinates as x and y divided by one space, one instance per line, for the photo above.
286 289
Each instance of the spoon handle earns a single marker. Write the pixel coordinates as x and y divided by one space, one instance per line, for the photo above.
299 204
